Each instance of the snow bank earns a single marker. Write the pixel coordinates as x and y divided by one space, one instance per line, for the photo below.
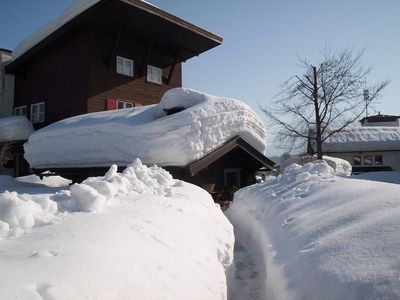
384 176
340 166
145 236
364 139
117 137
320 236
16 128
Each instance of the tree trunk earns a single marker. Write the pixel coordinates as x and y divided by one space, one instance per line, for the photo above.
317 115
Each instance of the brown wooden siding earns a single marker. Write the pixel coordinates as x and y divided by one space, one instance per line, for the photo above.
105 83
57 76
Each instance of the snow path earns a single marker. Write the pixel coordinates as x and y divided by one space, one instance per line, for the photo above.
247 281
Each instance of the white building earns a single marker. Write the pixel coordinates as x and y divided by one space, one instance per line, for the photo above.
6 85
375 146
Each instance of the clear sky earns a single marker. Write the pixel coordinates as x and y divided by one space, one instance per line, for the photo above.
262 40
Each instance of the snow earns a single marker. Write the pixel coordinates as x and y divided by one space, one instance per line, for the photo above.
76 8
340 166
320 236
137 234
117 137
384 176
364 139
16 128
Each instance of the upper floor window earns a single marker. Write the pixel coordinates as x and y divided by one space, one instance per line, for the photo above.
124 66
124 104
37 112
20 111
367 160
154 75
378 159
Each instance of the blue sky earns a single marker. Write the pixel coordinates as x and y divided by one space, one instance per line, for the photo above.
262 40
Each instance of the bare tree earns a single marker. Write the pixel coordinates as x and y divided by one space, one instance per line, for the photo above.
322 101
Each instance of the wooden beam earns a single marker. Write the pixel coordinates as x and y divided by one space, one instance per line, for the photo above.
146 59
171 70
115 48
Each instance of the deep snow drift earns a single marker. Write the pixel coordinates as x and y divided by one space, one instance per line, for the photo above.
15 128
139 234
319 236
117 137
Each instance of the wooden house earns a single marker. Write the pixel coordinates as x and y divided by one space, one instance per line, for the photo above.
114 54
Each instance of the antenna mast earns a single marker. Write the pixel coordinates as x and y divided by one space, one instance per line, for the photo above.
366 97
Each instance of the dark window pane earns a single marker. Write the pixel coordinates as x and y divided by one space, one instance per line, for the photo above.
356 160
378 160
367 160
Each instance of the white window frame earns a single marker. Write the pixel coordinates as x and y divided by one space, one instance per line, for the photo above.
18 110
125 67
40 115
154 74
125 104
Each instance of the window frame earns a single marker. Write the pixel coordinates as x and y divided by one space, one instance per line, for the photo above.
17 108
41 115
124 61
124 103
150 78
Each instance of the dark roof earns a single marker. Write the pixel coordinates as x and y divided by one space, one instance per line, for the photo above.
234 143
142 19
5 50
380 118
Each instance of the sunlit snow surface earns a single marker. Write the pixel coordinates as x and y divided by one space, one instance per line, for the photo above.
139 234
118 137
320 236
17 128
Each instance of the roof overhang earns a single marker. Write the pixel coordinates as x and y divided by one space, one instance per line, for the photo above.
140 19
234 143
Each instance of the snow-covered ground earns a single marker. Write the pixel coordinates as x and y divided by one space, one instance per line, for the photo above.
314 235
384 176
119 136
139 234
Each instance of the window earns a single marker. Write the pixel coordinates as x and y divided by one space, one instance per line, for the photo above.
124 104
378 160
124 66
356 160
367 160
37 112
154 74
20 111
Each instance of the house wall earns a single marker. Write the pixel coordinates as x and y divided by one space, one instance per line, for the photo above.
390 158
57 76
6 86
105 83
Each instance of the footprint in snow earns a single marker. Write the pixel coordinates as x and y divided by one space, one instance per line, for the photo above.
43 253
287 222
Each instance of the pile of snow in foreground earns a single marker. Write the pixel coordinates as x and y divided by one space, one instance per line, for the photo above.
364 139
16 128
319 236
117 137
139 234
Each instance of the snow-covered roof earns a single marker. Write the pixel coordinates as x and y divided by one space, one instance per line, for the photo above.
100 139
78 7
75 9
364 139
16 128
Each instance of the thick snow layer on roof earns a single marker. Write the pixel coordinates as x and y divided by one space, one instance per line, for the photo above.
139 234
75 9
364 139
320 236
101 139
16 128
